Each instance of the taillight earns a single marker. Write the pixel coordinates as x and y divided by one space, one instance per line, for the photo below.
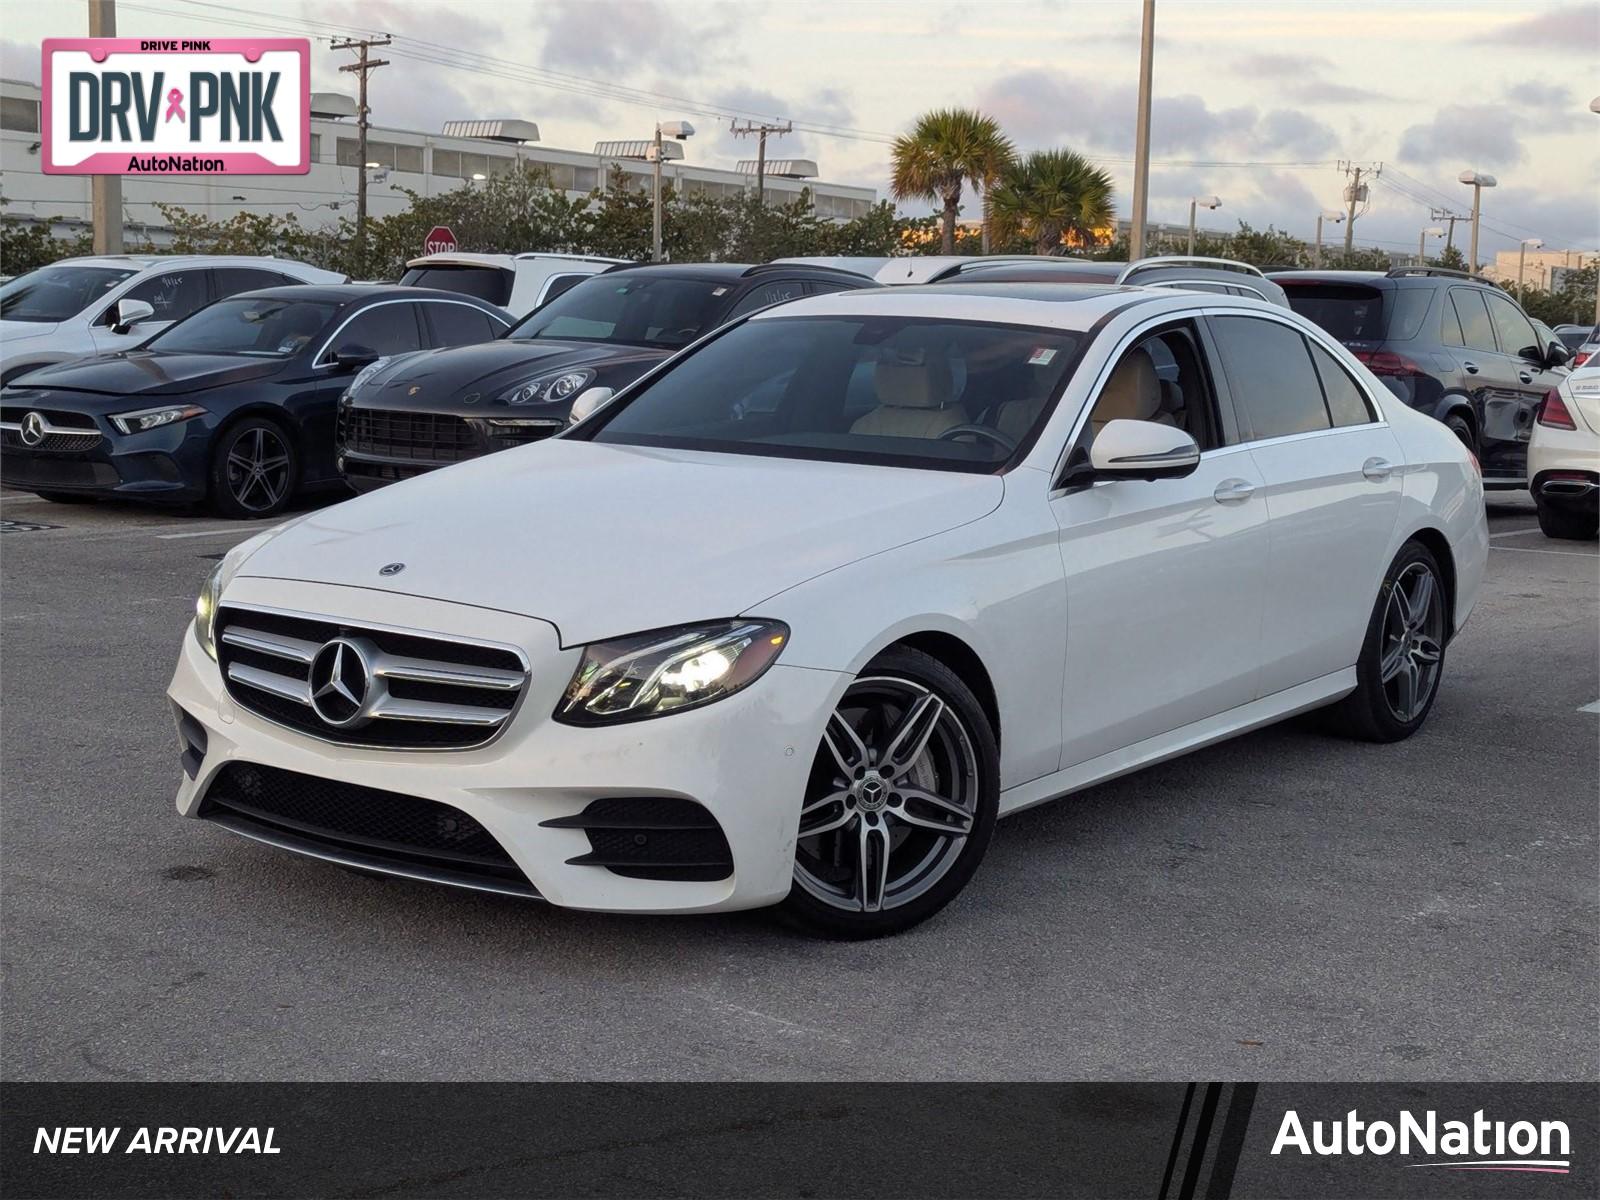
1581 357
1387 362
1553 412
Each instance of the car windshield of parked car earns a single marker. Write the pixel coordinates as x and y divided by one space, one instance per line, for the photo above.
56 293
902 391
637 309
261 327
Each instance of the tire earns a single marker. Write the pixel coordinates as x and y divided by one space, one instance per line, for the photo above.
1408 646
65 497
1566 524
854 801
1462 428
234 486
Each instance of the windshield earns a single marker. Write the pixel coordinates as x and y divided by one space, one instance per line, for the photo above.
1358 313
262 327
637 309
486 283
56 293
902 391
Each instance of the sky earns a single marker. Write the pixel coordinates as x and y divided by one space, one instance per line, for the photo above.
1255 101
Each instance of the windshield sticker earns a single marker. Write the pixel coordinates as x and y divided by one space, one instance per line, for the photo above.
1041 356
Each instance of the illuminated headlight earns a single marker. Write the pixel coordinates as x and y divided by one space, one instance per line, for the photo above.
548 388
205 612
154 418
668 670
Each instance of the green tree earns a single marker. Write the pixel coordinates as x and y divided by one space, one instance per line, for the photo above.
947 149
1049 196
1452 259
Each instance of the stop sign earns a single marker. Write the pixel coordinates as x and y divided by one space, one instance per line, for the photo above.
440 240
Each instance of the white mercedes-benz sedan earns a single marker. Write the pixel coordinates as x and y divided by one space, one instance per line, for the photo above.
796 617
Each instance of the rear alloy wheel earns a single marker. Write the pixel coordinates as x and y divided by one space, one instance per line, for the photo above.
1402 661
1462 428
901 801
1565 523
254 469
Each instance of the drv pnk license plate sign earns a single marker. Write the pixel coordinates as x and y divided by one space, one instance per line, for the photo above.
151 106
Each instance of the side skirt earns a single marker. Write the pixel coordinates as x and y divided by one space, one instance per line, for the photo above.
1246 717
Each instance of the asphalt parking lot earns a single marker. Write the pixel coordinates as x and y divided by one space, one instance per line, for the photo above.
1282 907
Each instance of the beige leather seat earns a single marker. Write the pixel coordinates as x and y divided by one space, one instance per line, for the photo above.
1133 393
914 399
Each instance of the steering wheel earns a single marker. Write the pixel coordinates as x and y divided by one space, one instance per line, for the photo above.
983 431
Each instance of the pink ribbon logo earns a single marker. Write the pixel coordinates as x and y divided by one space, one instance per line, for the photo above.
175 105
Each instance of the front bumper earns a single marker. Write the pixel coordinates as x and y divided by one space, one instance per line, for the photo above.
86 455
745 759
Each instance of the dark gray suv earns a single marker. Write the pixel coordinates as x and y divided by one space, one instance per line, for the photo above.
1447 343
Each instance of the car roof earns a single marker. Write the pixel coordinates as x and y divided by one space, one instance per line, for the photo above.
736 272
358 293
462 258
142 262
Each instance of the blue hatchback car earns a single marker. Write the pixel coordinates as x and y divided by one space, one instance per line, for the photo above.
235 405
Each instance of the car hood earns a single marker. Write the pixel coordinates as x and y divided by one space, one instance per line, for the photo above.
604 540
152 373
12 332
467 378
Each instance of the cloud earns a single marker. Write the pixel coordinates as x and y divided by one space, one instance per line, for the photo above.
825 106
1531 93
1465 134
19 60
615 37
1572 29
1283 65
1051 108
1304 77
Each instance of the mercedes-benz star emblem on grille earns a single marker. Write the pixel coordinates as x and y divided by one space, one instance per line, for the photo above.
32 431
341 683
392 569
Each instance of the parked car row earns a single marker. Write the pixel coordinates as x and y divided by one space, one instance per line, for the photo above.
431 392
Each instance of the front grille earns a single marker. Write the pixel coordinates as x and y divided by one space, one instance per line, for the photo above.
409 436
12 439
25 469
509 437
651 837
12 414
400 690
378 826
63 430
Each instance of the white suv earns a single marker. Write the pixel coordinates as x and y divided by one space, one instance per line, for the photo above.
518 283
82 306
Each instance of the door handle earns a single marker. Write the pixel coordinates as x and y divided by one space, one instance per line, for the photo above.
1471 367
1377 469
1525 377
1234 491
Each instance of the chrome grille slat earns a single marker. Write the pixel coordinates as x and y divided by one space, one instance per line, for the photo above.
410 690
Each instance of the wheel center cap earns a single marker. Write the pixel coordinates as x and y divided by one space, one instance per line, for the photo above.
872 792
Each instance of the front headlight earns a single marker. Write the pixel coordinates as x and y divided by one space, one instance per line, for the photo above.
546 389
668 670
154 418
363 375
205 612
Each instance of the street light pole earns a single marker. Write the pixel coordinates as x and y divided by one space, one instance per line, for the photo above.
1194 201
1477 182
1335 217
655 215
1522 259
105 191
1141 135
1422 243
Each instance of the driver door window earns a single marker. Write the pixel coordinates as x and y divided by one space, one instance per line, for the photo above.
173 296
1161 379
385 329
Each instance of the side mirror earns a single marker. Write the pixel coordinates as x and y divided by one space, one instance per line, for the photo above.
1142 450
589 402
129 313
352 356
1556 353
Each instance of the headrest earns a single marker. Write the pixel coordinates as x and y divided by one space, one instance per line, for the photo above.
912 378
1133 393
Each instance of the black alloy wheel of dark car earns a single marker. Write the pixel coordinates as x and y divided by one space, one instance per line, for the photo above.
1402 659
254 469
901 802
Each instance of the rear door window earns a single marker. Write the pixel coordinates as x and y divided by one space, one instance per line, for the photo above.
768 294
174 295
1477 330
1517 335
459 324
1269 370
1347 404
233 280
384 329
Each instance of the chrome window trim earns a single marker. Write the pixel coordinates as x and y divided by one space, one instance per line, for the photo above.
1179 284
404 631
317 364
1145 326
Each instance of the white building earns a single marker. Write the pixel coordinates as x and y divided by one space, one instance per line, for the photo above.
421 162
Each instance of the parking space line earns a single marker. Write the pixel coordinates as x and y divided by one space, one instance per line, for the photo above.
1591 708
1532 550
1515 532
194 533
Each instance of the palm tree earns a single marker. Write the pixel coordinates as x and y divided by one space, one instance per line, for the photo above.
947 148
1050 194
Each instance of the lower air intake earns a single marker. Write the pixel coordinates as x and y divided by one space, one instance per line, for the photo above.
651 837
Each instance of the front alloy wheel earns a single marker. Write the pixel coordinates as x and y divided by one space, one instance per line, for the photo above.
254 470
901 800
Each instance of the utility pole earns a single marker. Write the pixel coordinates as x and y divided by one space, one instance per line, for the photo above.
1141 135
760 129
1450 219
1354 195
105 191
363 66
